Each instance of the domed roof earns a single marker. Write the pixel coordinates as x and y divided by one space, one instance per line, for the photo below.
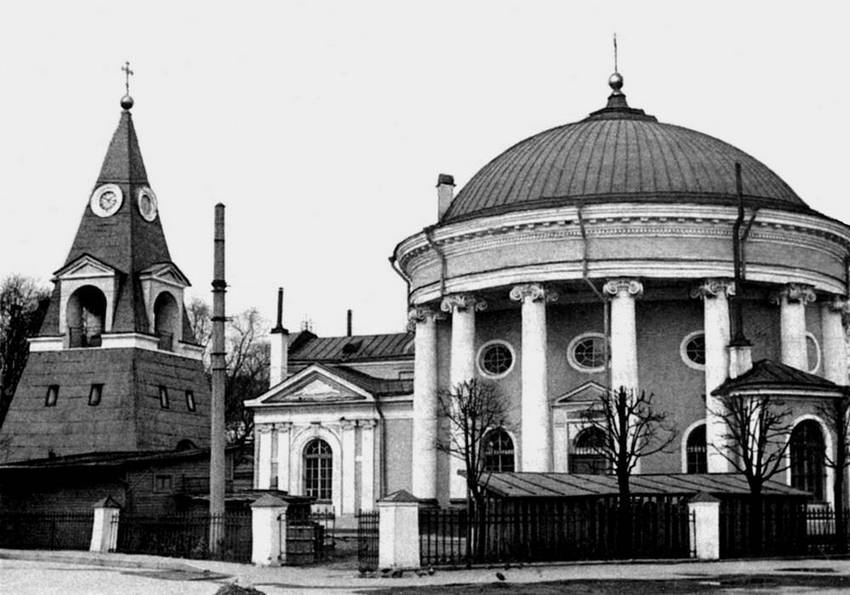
618 154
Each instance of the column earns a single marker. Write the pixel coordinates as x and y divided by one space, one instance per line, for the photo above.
263 465
423 321
348 467
624 368
536 425
833 347
367 465
792 300
462 366
284 432
714 294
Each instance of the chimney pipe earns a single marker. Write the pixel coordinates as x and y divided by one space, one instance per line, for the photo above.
219 366
445 193
348 323
279 356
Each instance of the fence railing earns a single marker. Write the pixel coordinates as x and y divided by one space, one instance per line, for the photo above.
52 531
185 536
326 519
772 527
576 530
367 540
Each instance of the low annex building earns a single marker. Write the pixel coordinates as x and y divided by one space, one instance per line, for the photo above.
616 217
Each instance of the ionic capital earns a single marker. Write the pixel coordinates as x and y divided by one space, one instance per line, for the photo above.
794 293
419 314
368 423
712 288
535 292
838 304
623 287
348 424
264 428
462 302
283 426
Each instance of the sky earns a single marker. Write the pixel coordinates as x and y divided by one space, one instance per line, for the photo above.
322 126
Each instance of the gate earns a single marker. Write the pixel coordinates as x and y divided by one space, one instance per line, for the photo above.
367 540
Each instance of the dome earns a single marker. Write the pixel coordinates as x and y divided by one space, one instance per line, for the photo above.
618 154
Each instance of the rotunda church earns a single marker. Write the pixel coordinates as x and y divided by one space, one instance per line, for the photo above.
601 254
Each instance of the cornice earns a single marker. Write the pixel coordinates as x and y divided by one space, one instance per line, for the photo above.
622 219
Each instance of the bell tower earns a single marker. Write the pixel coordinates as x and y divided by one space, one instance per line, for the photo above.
114 367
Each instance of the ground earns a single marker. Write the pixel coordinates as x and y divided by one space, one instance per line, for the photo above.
73 573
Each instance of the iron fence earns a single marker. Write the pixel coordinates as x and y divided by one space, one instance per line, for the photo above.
52 531
367 540
581 529
326 519
770 527
186 536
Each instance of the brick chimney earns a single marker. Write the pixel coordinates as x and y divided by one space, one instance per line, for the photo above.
445 193
279 355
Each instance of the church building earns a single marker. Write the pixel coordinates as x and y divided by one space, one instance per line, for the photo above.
610 235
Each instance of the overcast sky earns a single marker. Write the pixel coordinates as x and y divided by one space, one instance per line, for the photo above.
323 125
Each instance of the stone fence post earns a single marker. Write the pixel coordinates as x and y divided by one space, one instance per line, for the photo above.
268 525
705 532
104 533
398 538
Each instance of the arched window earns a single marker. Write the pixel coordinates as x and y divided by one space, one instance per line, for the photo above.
498 451
165 319
807 458
86 316
318 469
585 457
695 451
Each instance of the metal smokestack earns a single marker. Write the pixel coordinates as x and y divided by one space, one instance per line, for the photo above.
217 427
348 322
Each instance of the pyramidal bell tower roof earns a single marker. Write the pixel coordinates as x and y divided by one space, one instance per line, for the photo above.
120 227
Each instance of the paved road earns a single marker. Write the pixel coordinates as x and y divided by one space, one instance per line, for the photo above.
163 576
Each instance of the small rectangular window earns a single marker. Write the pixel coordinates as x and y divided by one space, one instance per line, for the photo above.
162 483
95 393
52 395
163 397
190 400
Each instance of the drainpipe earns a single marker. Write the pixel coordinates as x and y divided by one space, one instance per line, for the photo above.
383 451
430 239
744 237
606 324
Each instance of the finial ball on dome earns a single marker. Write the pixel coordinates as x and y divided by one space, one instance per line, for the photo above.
615 81
126 102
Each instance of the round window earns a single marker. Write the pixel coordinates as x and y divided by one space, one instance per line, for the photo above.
495 359
692 350
586 352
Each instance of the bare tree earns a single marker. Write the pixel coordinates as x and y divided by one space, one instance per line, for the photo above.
755 444
23 304
472 408
630 429
247 362
836 412
756 437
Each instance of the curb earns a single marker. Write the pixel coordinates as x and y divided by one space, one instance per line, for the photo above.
94 559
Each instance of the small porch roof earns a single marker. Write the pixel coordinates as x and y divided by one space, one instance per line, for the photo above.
570 485
773 378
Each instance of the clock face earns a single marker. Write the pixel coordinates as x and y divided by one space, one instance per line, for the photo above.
147 203
106 200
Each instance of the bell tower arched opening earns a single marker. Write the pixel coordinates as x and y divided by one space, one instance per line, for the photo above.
85 315
166 318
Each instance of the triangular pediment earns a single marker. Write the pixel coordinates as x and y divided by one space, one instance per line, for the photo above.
314 384
166 272
584 394
85 267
